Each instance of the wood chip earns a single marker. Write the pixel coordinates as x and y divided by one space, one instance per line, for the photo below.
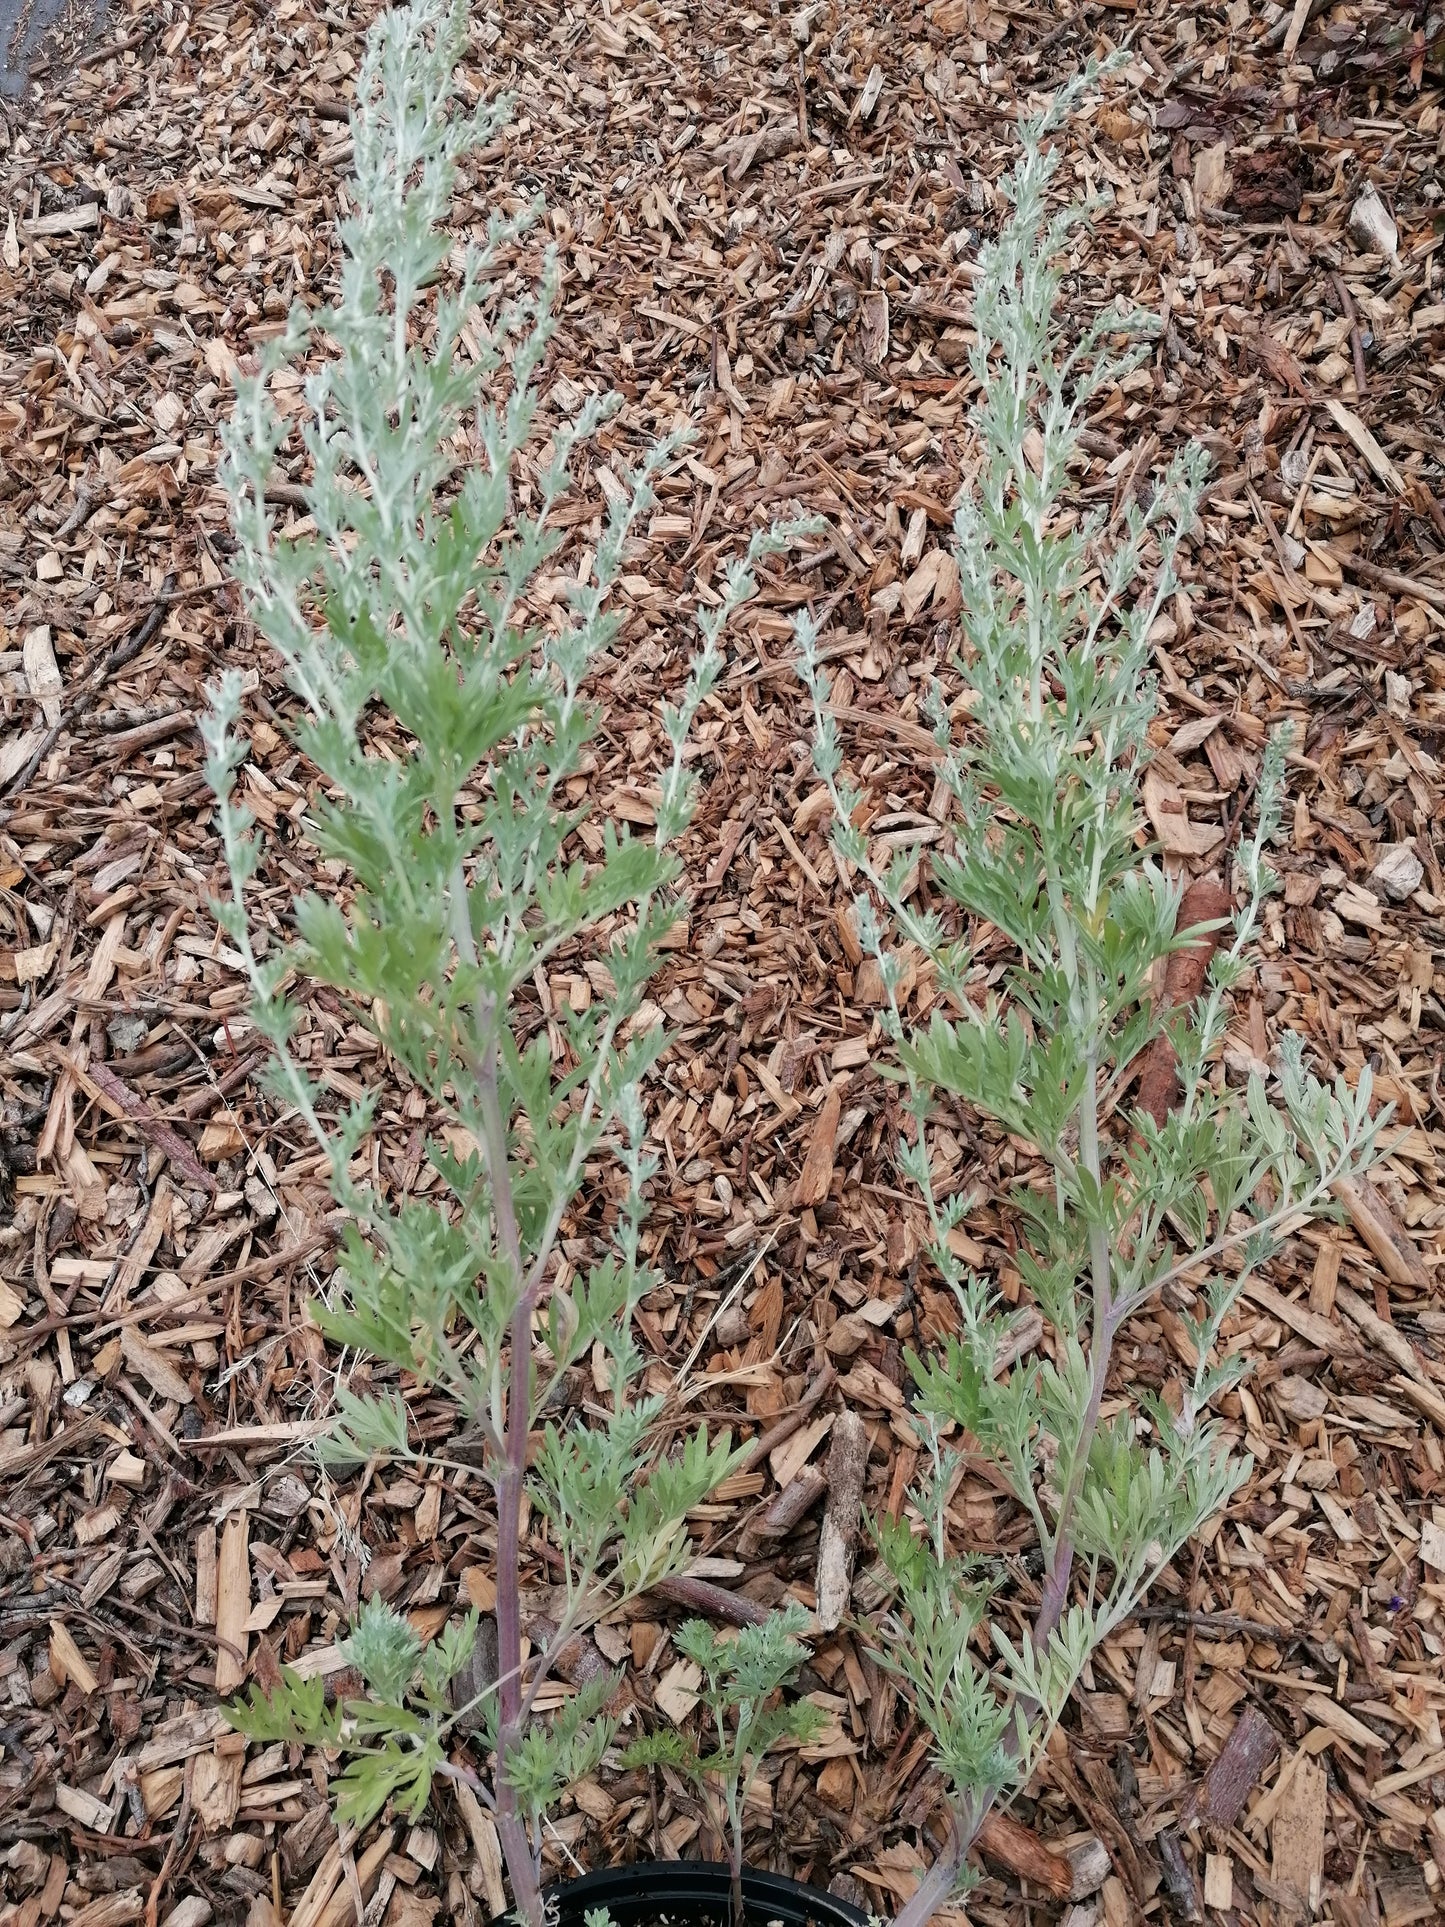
1006 1841
1364 441
154 1367
817 1176
42 672
1373 1219
675 1694
838 1542
482 1832
1204 902
1297 1840
67 1662
233 1601
1219 1882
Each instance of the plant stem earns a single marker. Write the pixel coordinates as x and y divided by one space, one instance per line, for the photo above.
517 1852
735 1862
1061 1558
1258 1228
1105 1317
938 1883
464 1776
511 1829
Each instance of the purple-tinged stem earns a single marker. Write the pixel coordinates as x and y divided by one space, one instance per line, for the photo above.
941 1877
511 1829
735 1867
938 1883
1061 1561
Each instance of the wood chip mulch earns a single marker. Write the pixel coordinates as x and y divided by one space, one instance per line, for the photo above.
766 221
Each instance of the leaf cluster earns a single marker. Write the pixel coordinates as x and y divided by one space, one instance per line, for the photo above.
393 1738
742 1677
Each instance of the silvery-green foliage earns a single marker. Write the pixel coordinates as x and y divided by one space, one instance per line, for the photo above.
445 726
740 1686
393 1738
1043 759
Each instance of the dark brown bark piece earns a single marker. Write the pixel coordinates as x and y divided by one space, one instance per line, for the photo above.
1267 183
1179 1877
579 1661
1220 1796
1205 901
787 1509
124 1100
714 1602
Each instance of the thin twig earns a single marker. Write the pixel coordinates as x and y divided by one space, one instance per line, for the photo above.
116 658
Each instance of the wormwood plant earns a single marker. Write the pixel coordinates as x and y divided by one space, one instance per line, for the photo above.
449 734
740 1687
1043 758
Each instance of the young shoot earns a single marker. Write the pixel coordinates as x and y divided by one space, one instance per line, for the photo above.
740 1686
1043 758
448 725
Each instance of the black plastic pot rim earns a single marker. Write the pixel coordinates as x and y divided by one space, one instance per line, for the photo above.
684 1888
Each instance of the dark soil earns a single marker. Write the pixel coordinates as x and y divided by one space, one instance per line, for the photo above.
46 34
